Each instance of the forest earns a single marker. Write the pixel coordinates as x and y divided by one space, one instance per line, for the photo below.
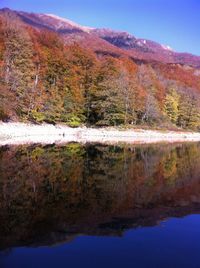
44 79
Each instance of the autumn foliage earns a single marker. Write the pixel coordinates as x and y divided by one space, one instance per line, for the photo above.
43 79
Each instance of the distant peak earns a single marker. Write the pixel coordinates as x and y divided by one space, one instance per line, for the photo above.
5 9
73 24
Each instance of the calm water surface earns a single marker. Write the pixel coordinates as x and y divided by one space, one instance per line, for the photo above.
100 206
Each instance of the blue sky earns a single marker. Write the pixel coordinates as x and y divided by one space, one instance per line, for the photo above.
171 22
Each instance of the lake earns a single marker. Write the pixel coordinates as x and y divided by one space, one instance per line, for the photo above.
94 205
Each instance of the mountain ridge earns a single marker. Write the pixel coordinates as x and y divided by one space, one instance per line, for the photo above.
136 47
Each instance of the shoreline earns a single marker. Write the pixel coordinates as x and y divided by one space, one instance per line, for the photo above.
22 133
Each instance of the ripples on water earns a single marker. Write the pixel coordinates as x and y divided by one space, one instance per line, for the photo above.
50 195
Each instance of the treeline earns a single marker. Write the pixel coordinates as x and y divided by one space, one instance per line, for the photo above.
44 80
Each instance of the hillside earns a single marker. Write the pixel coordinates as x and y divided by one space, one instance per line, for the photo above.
54 70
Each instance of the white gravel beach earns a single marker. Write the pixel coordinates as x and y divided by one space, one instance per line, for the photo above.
20 133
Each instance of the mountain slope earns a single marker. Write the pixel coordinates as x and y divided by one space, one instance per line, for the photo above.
146 49
68 30
54 70
122 42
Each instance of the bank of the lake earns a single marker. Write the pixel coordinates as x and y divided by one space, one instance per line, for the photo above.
21 133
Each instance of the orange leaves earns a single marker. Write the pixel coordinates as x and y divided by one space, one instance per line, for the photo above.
180 74
73 84
130 66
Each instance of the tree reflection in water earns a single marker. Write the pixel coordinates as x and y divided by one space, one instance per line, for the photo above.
50 194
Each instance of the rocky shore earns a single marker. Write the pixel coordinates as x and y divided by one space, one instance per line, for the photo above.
20 133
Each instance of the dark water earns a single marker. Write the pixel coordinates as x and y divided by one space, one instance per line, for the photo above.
100 206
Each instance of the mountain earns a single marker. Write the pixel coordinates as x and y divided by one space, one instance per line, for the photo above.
55 70
138 48
52 22
70 31
146 49
47 21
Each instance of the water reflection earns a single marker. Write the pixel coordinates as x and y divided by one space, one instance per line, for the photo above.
50 194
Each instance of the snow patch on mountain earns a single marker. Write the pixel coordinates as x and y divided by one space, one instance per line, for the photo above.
167 47
62 21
